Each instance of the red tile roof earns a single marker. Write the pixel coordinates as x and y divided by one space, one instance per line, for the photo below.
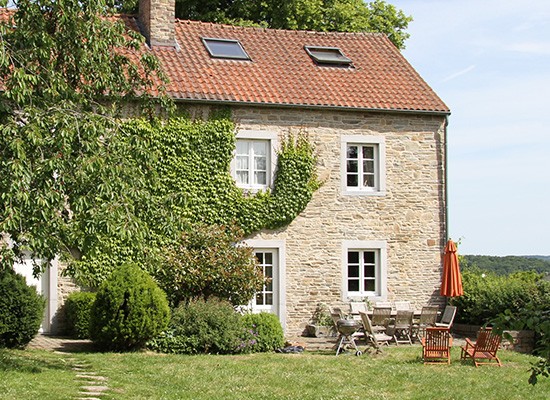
282 73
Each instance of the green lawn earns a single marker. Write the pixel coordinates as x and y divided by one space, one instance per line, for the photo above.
397 373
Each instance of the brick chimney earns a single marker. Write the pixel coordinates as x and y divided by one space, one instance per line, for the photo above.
157 18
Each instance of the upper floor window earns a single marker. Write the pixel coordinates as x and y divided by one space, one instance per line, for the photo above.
363 165
254 163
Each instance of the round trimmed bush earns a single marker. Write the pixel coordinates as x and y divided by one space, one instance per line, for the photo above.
265 330
21 310
129 309
77 311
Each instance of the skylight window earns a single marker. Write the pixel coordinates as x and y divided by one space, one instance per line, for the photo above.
225 48
327 55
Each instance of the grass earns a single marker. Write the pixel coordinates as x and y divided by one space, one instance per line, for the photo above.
397 373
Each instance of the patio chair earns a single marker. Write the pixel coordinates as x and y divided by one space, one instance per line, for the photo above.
356 307
428 317
380 318
402 327
447 318
485 348
436 345
372 338
402 305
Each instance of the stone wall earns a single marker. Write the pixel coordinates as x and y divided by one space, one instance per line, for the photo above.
65 286
410 217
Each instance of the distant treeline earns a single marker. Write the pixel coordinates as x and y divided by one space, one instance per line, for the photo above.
509 264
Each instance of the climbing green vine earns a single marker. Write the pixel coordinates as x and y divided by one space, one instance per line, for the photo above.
189 182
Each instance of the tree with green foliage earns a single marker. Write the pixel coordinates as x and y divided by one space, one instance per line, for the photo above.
316 15
206 262
506 265
65 176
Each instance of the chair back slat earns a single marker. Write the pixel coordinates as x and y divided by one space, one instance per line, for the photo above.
428 315
366 323
404 317
381 316
487 341
437 339
448 315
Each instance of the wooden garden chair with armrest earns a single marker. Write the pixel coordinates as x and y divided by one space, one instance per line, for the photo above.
428 318
375 339
447 318
380 318
485 348
436 345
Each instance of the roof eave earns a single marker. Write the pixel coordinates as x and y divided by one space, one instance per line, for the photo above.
312 106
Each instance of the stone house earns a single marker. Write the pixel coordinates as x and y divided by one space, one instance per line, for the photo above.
377 226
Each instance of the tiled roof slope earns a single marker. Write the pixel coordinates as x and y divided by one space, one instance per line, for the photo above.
282 73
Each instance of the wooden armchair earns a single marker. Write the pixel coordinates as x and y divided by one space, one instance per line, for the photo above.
380 318
436 345
485 348
375 339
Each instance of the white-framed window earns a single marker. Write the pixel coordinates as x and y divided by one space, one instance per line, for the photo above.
254 163
364 270
363 160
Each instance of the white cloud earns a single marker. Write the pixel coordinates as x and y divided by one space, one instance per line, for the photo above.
536 48
459 73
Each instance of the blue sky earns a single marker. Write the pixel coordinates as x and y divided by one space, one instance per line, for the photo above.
490 62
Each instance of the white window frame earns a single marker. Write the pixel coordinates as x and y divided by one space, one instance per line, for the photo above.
279 246
381 273
379 144
273 141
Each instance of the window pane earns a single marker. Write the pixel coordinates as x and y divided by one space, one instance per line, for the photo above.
225 48
369 271
368 166
368 152
352 151
269 286
260 178
352 166
269 258
260 163
269 299
242 162
260 257
352 180
368 180
369 257
242 177
259 299
353 271
353 285
242 147
353 257
259 147
268 272
369 285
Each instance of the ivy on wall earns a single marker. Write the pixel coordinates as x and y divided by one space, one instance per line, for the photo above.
190 182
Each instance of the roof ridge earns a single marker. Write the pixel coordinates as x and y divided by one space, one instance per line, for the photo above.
261 28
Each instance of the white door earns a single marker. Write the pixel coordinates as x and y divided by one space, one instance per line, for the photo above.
267 299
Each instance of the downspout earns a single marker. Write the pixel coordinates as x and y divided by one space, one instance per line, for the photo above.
446 176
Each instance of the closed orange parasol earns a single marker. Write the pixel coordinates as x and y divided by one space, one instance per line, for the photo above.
451 281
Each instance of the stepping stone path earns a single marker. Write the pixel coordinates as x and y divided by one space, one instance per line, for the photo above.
92 384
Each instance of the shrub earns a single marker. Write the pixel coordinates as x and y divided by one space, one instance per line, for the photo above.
21 310
203 326
266 331
129 310
77 312
486 295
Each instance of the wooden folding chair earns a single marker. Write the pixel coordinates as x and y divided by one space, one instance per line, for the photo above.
436 346
485 348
